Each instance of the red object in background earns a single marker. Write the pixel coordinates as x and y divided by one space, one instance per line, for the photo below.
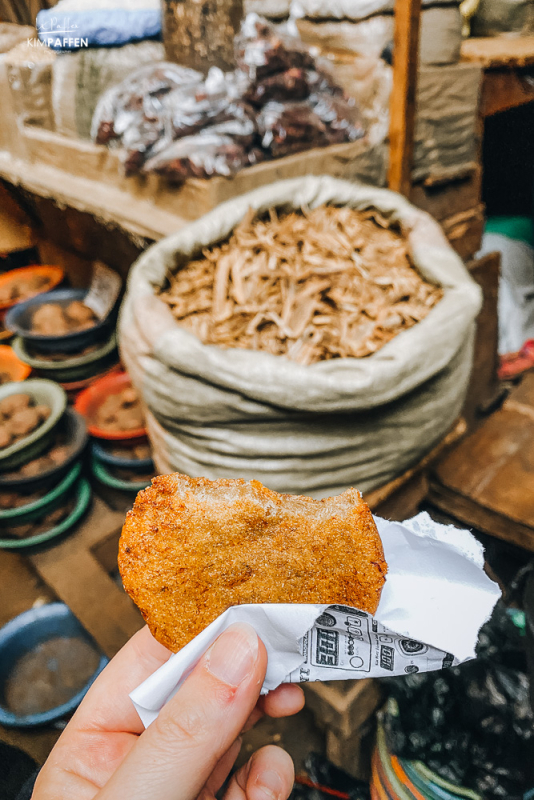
92 398
514 364
53 276
11 365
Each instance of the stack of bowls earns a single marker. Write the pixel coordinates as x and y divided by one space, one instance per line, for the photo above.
42 492
75 359
121 459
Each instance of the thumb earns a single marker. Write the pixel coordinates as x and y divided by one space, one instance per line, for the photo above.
175 756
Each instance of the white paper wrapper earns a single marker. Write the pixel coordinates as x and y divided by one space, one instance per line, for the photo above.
434 602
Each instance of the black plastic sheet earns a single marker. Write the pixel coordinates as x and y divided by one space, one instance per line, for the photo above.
471 724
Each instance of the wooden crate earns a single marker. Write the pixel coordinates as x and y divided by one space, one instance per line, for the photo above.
464 231
445 199
89 178
487 481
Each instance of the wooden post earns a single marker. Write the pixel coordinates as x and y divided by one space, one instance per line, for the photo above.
402 103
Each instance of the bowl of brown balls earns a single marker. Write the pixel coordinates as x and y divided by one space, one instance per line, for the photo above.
113 409
29 414
59 321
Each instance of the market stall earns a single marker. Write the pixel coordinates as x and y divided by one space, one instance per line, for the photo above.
270 271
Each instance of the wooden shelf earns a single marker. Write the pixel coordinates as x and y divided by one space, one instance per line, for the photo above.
500 51
508 63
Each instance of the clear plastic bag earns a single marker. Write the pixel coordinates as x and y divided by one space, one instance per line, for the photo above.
341 117
280 87
138 100
261 50
238 123
201 156
190 108
290 127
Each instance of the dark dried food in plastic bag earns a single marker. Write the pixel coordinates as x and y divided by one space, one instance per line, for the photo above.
139 94
289 127
191 108
239 124
340 115
289 85
261 50
200 156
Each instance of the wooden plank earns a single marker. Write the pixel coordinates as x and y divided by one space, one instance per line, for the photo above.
402 103
464 231
452 197
499 51
484 386
73 571
504 89
474 515
379 496
488 479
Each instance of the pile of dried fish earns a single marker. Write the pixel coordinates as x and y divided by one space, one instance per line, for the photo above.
309 285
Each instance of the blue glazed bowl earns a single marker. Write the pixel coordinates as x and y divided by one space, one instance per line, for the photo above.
20 636
19 319
138 464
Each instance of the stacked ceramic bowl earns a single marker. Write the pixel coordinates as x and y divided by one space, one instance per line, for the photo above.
121 455
61 339
49 642
42 491
19 285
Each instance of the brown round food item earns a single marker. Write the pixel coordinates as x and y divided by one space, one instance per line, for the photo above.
129 396
43 412
49 320
24 422
80 314
191 548
5 436
13 403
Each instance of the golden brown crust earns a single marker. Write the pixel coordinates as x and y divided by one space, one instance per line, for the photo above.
191 548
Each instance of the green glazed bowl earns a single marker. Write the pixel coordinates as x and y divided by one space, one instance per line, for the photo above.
82 491
49 502
43 392
71 369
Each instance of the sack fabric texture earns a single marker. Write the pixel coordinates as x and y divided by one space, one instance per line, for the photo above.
315 429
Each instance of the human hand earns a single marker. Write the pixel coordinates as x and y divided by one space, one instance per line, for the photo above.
188 752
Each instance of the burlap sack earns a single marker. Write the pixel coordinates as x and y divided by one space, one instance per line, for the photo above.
301 429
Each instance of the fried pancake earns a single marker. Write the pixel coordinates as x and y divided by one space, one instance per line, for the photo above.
191 548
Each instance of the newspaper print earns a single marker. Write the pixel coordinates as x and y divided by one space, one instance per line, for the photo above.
346 643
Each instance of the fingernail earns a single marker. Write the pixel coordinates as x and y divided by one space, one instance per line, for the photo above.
270 783
233 656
